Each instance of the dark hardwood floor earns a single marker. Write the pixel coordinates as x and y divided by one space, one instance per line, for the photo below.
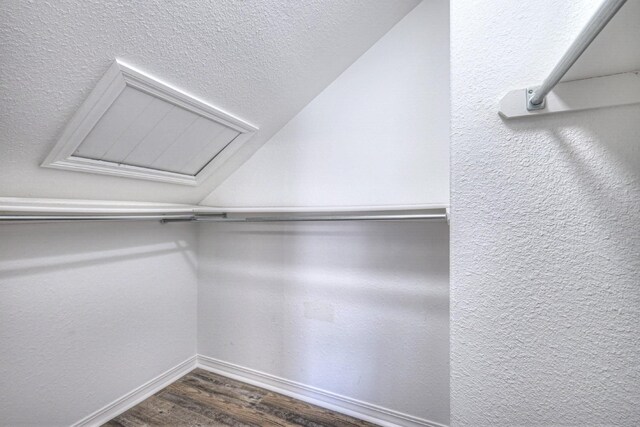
202 398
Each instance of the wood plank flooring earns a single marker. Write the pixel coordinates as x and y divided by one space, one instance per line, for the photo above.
202 398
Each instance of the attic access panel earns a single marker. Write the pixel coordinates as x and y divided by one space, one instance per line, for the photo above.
135 126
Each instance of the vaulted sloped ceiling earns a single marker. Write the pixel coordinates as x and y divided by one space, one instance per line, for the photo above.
262 60
377 136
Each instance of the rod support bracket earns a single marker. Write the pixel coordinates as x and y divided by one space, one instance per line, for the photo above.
529 92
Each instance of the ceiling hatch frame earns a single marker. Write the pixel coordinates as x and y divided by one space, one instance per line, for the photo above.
118 77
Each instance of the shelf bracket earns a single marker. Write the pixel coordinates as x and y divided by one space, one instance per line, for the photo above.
585 94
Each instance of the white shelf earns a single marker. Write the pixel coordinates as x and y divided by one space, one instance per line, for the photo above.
15 205
18 205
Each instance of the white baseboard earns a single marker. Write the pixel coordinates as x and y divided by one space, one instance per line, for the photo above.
325 399
136 396
335 402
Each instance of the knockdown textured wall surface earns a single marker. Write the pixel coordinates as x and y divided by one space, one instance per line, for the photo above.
545 233
89 312
359 309
262 60
378 135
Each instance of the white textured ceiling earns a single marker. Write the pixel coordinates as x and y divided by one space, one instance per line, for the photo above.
262 60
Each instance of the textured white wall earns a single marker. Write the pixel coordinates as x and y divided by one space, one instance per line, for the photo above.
89 312
358 309
545 232
378 135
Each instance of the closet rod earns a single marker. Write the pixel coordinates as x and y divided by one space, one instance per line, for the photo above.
111 217
165 218
598 21
309 218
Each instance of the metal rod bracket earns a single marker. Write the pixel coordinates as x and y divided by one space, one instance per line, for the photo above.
529 93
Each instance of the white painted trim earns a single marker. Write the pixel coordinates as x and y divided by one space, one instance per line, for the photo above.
110 86
80 164
577 95
326 399
136 396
